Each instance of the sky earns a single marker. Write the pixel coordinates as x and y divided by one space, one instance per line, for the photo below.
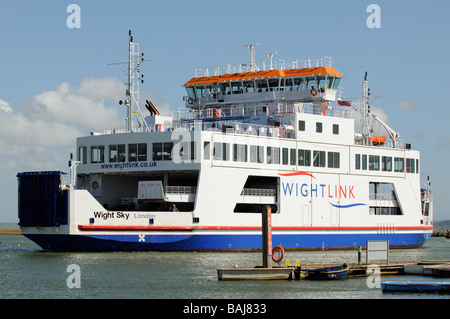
56 84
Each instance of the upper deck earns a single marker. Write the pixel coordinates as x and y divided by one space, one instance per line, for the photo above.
312 81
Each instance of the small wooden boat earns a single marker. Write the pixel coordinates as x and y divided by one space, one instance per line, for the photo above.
441 270
415 286
329 272
255 273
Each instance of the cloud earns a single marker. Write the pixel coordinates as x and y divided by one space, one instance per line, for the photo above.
5 107
408 105
39 133
92 104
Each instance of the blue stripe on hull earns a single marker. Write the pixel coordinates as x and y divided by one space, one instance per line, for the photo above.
219 242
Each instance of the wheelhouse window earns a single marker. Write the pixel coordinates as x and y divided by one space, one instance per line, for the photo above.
274 84
261 85
98 154
190 92
249 87
236 87
336 83
225 88
299 84
288 85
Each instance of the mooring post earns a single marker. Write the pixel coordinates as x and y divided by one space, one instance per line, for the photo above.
267 237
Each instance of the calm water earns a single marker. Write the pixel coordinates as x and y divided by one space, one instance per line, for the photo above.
28 272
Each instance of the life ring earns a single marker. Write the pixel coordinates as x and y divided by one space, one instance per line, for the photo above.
190 100
274 250
313 92
95 185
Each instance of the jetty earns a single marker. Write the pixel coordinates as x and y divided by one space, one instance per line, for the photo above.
299 271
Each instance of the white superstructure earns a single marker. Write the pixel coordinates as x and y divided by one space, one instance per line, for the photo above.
250 136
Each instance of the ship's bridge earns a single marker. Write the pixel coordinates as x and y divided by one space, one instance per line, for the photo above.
307 85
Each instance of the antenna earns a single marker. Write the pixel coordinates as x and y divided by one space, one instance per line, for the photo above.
270 56
365 94
134 78
252 56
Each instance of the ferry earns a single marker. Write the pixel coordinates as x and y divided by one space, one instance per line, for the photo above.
250 138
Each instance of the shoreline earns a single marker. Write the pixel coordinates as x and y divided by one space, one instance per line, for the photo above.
10 231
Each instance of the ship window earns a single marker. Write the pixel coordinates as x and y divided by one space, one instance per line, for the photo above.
311 83
117 153
386 164
240 153
82 154
358 161
301 125
299 84
330 81
190 92
249 87
206 150
285 156
319 158
384 210
293 157
162 151
98 154
334 159
288 84
261 85
364 162
410 167
335 129
137 152
417 166
236 87
274 84
321 83
336 83
256 154
273 155
200 91
221 151
374 162
319 128
399 164
225 88
187 151
304 157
